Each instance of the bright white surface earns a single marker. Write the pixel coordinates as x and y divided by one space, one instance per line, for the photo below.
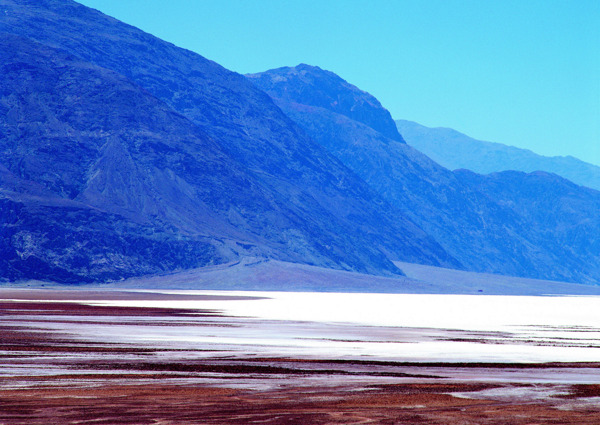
472 312
509 328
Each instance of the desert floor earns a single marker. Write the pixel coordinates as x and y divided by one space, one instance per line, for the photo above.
67 359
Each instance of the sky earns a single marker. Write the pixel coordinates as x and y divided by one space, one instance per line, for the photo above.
524 73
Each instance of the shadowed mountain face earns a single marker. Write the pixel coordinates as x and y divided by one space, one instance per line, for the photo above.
88 134
162 142
101 180
69 242
455 150
483 231
561 213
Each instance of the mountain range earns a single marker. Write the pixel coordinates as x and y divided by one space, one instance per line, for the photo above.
513 232
455 150
109 118
123 155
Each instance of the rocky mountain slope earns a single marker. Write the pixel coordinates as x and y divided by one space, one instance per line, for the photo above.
484 232
559 212
455 150
324 89
92 164
169 146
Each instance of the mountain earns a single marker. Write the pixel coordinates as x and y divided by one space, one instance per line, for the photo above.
328 91
93 164
562 213
100 119
455 150
484 232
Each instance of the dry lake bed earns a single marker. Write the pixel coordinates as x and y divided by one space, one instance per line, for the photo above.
210 357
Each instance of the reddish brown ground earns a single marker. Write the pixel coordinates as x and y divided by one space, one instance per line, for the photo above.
101 383
180 404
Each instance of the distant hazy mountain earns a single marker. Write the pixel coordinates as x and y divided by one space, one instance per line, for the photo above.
486 232
455 150
100 119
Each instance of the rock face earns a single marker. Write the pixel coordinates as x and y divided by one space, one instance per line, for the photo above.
96 173
455 150
561 215
90 135
311 85
175 161
67 242
486 232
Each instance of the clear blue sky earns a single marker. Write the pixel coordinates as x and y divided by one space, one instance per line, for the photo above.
520 72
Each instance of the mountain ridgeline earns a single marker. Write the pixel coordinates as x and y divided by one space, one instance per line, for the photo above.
123 155
539 226
455 150
311 85
180 162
